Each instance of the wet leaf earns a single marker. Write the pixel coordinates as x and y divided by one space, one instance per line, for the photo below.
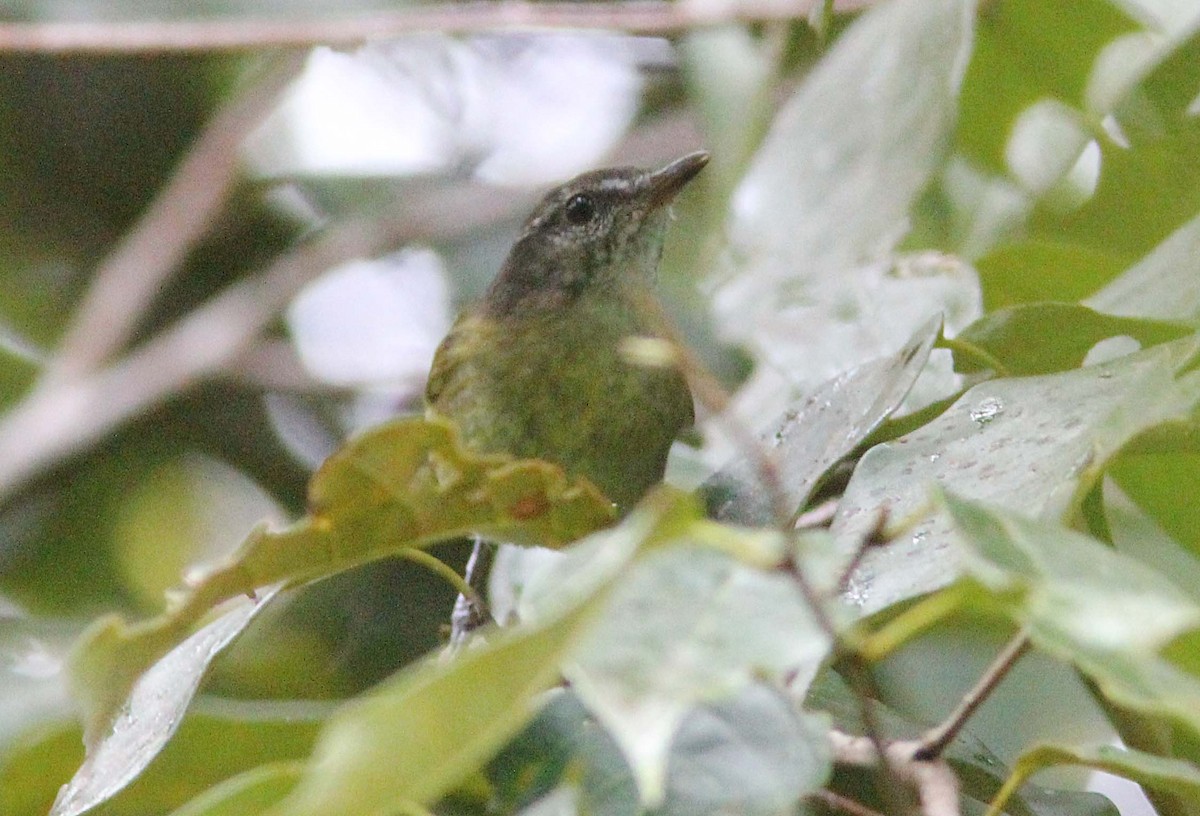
689 625
811 285
406 484
152 713
1041 338
420 733
1104 612
1031 444
827 426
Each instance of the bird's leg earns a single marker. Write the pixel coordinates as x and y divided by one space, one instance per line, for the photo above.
471 613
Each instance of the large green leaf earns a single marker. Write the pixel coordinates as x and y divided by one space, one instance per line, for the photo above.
689 625
829 191
1106 613
829 424
1033 444
1171 776
404 485
1041 338
753 753
419 734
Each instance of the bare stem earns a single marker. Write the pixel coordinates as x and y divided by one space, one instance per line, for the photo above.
125 283
875 537
935 742
64 416
240 33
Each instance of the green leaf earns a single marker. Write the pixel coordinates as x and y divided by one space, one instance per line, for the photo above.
1068 587
1033 444
688 625
1083 602
1169 775
403 485
1165 284
811 206
152 713
1152 169
421 733
1027 51
1041 338
248 794
1043 268
753 753
827 426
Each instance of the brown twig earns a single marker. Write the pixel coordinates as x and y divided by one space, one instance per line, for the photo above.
933 780
819 516
64 416
243 34
709 392
875 537
124 284
934 743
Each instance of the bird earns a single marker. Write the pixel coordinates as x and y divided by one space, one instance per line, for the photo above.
537 369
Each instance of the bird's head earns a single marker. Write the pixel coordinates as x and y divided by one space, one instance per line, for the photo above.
591 234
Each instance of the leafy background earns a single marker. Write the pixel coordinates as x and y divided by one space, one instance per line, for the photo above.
219 263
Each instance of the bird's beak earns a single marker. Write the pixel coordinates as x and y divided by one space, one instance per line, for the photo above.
665 184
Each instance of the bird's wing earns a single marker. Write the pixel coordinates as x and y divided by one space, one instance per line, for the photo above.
449 357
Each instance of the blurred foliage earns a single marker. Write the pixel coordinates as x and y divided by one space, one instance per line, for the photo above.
1026 172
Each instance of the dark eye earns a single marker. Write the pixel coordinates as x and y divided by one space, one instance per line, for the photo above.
580 209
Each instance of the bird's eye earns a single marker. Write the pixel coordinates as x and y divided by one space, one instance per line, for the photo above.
580 209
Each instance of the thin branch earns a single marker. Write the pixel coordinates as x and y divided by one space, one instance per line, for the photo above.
243 33
873 539
820 516
933 743
124 285
932 779
862 682
709 392
65 416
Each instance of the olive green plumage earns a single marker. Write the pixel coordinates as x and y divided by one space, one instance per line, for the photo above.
536 369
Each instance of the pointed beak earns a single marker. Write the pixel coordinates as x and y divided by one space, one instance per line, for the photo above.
665 184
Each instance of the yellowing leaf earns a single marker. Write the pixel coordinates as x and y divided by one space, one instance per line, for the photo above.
407 484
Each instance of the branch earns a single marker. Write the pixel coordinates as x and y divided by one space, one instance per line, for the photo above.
66 415
128 279
243 34
935 742
932 779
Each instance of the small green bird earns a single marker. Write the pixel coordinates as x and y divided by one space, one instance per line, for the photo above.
536 368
